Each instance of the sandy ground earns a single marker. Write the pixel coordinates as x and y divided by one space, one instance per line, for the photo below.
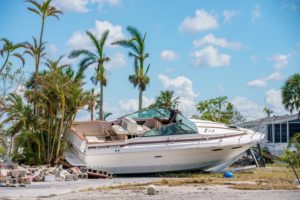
82 190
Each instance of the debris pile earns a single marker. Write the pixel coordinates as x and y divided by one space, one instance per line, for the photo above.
12 175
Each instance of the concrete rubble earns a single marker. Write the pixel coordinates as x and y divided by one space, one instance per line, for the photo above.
12 175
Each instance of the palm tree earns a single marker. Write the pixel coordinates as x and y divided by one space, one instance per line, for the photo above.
92 102
36 51
291 93
59 96
18 115
98 58
136 44
44 10
8 48
166 99
268 111
106 115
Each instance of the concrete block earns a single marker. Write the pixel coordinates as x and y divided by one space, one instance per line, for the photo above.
151 190
27 180
14 173
49 178
83 175
22 173
68 177
75 177
37 178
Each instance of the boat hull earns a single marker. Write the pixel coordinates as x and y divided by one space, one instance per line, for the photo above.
166 157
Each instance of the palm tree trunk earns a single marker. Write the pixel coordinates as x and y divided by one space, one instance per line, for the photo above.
6 59
101 102
37 64
140 99
92 113
10 146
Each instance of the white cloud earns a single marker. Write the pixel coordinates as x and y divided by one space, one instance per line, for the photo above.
210 39
273 76
280 60
256 13
247 108
203 21
168 55
257 83
80 39
131 105
117 60
263 81
81 5
209 56
228 15
274 102
183 88
52 49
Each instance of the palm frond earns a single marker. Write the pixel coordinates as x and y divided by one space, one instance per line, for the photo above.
20 57
94 41
103 39
79 52
146 72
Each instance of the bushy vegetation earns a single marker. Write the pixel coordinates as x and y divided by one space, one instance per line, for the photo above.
219 110
36 114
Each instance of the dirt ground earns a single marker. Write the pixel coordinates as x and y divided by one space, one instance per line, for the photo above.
101 189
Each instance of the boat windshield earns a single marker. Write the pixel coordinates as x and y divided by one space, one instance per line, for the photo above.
171 129
150 113
182 126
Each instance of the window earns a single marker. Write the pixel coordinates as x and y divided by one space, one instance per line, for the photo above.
294 127
270 133
283 133
277 133
171 129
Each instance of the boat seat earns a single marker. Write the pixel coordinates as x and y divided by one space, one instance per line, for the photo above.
94 139
142 129
130 125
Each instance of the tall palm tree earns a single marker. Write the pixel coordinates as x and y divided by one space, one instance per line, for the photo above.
92 102
268 111
36 51
136 44
98 58
44 10
9 49
291 93
166 99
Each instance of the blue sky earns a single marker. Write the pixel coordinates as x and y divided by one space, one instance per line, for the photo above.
199 49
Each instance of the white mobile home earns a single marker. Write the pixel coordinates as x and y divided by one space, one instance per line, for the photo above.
277 129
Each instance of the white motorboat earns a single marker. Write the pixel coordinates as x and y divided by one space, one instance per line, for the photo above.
157 140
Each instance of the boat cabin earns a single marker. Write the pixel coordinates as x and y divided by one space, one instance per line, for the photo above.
146 123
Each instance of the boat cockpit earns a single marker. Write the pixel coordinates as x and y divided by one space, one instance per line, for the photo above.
145 123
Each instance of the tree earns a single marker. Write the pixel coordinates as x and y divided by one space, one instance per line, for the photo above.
293 157
136 44
98 58
92 102
8 50
291 93
106 115
166 99
219 110
59 96
19 115
44 10
267 111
